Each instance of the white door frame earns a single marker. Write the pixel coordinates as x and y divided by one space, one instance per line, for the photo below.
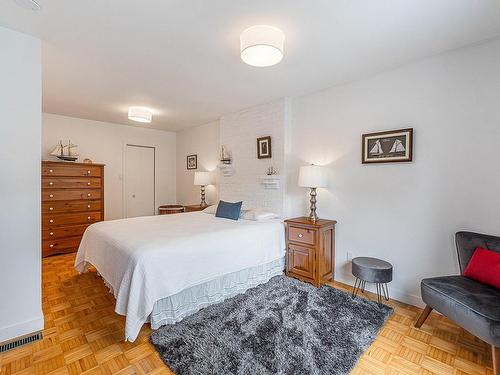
124 192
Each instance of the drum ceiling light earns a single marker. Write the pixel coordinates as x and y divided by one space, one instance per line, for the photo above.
262 45
140 114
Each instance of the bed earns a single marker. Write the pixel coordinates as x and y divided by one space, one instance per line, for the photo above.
164 268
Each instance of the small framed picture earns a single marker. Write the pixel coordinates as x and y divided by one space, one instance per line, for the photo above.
388 146
192 161
264 148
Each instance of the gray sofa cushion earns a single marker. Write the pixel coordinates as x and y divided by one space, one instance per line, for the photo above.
467 242
474 306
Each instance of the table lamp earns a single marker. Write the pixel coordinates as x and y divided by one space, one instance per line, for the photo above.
312 176
203 179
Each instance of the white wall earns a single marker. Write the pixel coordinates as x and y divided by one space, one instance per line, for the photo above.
104 143
406 213
239 132
203 141
20 111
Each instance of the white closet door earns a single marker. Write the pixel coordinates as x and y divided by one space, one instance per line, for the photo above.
139 180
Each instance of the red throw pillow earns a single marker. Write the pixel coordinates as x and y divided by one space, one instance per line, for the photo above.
484 266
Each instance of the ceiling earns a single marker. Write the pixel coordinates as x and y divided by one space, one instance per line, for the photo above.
181 57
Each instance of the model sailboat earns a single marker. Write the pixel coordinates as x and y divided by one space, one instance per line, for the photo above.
65 152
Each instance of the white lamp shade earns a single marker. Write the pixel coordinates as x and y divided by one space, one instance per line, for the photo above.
312 176
262 45
140 114
203 178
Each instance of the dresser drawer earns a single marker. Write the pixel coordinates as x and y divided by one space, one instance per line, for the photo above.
68 183
70 206
55 246
68 170
61 232
54 220
301 235
63 195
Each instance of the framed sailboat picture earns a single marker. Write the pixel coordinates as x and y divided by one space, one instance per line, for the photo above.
388 146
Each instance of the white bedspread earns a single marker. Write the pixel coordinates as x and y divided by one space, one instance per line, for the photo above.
148 258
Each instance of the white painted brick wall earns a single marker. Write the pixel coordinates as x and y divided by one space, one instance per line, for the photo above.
239 133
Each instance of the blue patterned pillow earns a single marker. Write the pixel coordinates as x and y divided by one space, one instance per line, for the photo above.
229 210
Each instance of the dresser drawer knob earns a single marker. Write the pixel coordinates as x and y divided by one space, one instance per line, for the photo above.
88 206
51 233
51 220
51 245
50 171
301 235
51 196
88 183
51 183
51 208
88 195
88 172
88 218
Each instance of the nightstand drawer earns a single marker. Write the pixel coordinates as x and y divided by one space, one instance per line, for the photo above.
302 235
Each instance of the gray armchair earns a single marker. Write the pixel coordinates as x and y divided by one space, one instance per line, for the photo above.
473 305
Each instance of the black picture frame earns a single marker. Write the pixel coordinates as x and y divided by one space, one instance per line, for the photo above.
264 150
391 146
192 161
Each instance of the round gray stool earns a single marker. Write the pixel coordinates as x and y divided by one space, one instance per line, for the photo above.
372 270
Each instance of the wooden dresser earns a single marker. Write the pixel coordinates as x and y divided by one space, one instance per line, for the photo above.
310 250
72 199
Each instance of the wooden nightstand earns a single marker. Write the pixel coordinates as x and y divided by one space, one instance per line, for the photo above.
310 250
194 207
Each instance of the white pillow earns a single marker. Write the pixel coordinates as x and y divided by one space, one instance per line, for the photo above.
210 209
257 214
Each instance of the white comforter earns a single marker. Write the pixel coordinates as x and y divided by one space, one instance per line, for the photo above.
148 258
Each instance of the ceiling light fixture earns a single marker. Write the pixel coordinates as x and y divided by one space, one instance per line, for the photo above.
262 45
28 4
140 114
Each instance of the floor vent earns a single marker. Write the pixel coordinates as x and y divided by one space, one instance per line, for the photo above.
16 343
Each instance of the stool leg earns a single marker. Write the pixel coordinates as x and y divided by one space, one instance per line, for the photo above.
385 289
379 298
354 291
363 287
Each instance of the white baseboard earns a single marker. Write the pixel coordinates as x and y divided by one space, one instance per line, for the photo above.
21 329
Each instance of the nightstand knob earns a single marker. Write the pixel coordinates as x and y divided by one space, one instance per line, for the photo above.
50 171
51 196
301 235
51 220
51 245
51 233
51 208
88 183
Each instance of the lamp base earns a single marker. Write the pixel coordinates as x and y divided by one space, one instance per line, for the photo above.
312 215
203 202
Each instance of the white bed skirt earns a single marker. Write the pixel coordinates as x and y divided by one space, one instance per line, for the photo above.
174 308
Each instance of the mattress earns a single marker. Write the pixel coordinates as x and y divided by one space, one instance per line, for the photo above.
149 261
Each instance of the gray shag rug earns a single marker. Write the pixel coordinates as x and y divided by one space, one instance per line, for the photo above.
282 327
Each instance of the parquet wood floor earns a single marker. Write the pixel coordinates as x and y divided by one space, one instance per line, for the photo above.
83 335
